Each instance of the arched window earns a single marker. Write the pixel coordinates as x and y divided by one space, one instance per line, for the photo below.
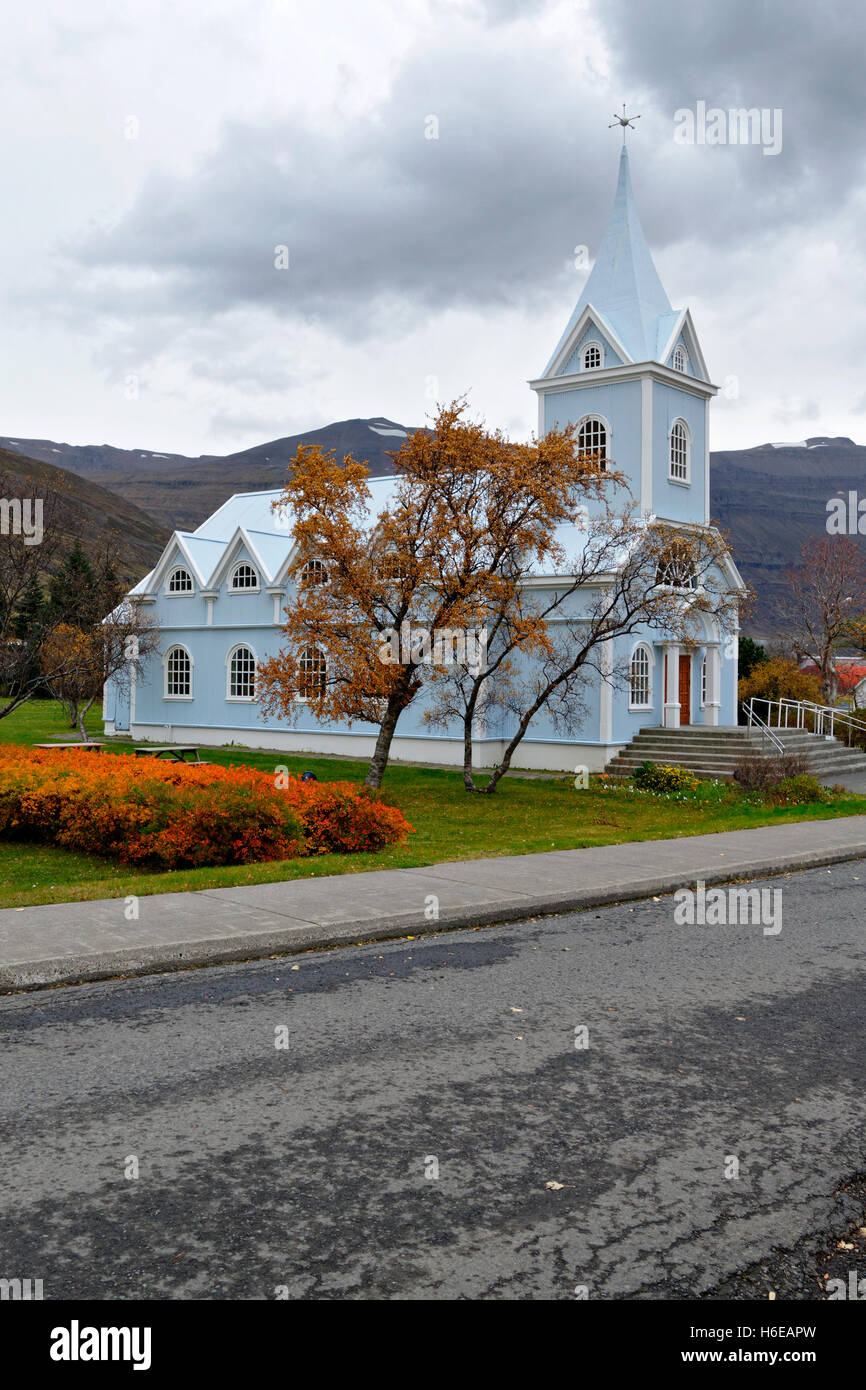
178 674
314 572
676 568
680 360
592 441
241 674
679 455
591 356
243 577
639 692
312 673
179 581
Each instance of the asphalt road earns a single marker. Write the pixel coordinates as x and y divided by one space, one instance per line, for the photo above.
305 1168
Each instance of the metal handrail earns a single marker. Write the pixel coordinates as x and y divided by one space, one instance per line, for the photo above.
824 717
755 719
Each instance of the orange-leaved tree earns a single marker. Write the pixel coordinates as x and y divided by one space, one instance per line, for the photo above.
378 593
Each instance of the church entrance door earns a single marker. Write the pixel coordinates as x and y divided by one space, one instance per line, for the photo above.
685 690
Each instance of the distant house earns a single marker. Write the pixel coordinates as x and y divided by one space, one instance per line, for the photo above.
629 373
851 678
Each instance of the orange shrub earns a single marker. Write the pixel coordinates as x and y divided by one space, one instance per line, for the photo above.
173 815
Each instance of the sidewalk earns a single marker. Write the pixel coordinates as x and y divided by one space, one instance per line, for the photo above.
69 942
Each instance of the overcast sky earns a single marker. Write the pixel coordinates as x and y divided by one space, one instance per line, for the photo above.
156 152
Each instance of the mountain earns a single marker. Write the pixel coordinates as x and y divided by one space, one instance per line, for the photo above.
769 499
94 514
180 492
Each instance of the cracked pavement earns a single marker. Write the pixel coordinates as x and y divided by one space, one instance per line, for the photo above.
302 1169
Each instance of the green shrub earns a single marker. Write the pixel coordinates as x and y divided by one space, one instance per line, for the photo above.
657 777
798 791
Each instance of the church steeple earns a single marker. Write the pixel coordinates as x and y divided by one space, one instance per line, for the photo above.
624 285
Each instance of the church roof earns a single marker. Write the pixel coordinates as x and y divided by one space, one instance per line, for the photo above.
624 284
247 519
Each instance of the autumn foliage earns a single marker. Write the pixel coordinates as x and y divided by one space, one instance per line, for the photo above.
177 815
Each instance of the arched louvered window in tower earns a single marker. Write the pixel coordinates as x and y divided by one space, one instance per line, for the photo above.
679 456
592 441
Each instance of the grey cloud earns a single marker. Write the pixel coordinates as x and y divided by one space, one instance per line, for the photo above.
802 57
382 224
386 228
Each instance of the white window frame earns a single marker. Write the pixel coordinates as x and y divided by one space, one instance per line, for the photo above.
680 355
672 478
248 588
650 658
605 424
179 593
315 561
593 343
704 680
178 647
241 699
305 699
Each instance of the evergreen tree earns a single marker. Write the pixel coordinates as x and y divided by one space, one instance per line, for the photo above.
751 654
73 591
31 614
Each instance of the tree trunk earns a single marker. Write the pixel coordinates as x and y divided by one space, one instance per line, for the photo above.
468 721
500 771
396 704
82 715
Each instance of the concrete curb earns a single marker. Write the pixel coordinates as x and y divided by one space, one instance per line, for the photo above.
78 967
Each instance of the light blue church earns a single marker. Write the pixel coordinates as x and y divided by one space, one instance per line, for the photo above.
629 372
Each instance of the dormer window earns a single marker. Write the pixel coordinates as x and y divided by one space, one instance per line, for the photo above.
314 572
243 578
679 452
592 442
591 356
180 581
680 360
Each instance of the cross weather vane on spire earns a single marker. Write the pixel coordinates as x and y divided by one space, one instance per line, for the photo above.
627 122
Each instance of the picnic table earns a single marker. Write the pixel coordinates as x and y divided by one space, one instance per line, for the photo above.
174 751
89 744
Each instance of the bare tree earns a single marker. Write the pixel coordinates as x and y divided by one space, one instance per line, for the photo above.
627 575
77 663
826 592
31 537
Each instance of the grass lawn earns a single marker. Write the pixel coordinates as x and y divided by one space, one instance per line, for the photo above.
525 816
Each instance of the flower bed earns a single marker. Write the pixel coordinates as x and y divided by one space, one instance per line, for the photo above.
174 815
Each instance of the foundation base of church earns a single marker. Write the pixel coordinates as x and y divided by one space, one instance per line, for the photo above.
543 755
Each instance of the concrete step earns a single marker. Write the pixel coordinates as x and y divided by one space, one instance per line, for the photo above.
829 758
716 752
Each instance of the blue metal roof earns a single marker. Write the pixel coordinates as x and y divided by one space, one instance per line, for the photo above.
624 284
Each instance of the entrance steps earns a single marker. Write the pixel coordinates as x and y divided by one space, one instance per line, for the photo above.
715 752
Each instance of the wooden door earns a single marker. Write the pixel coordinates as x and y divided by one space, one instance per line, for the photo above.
685 690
